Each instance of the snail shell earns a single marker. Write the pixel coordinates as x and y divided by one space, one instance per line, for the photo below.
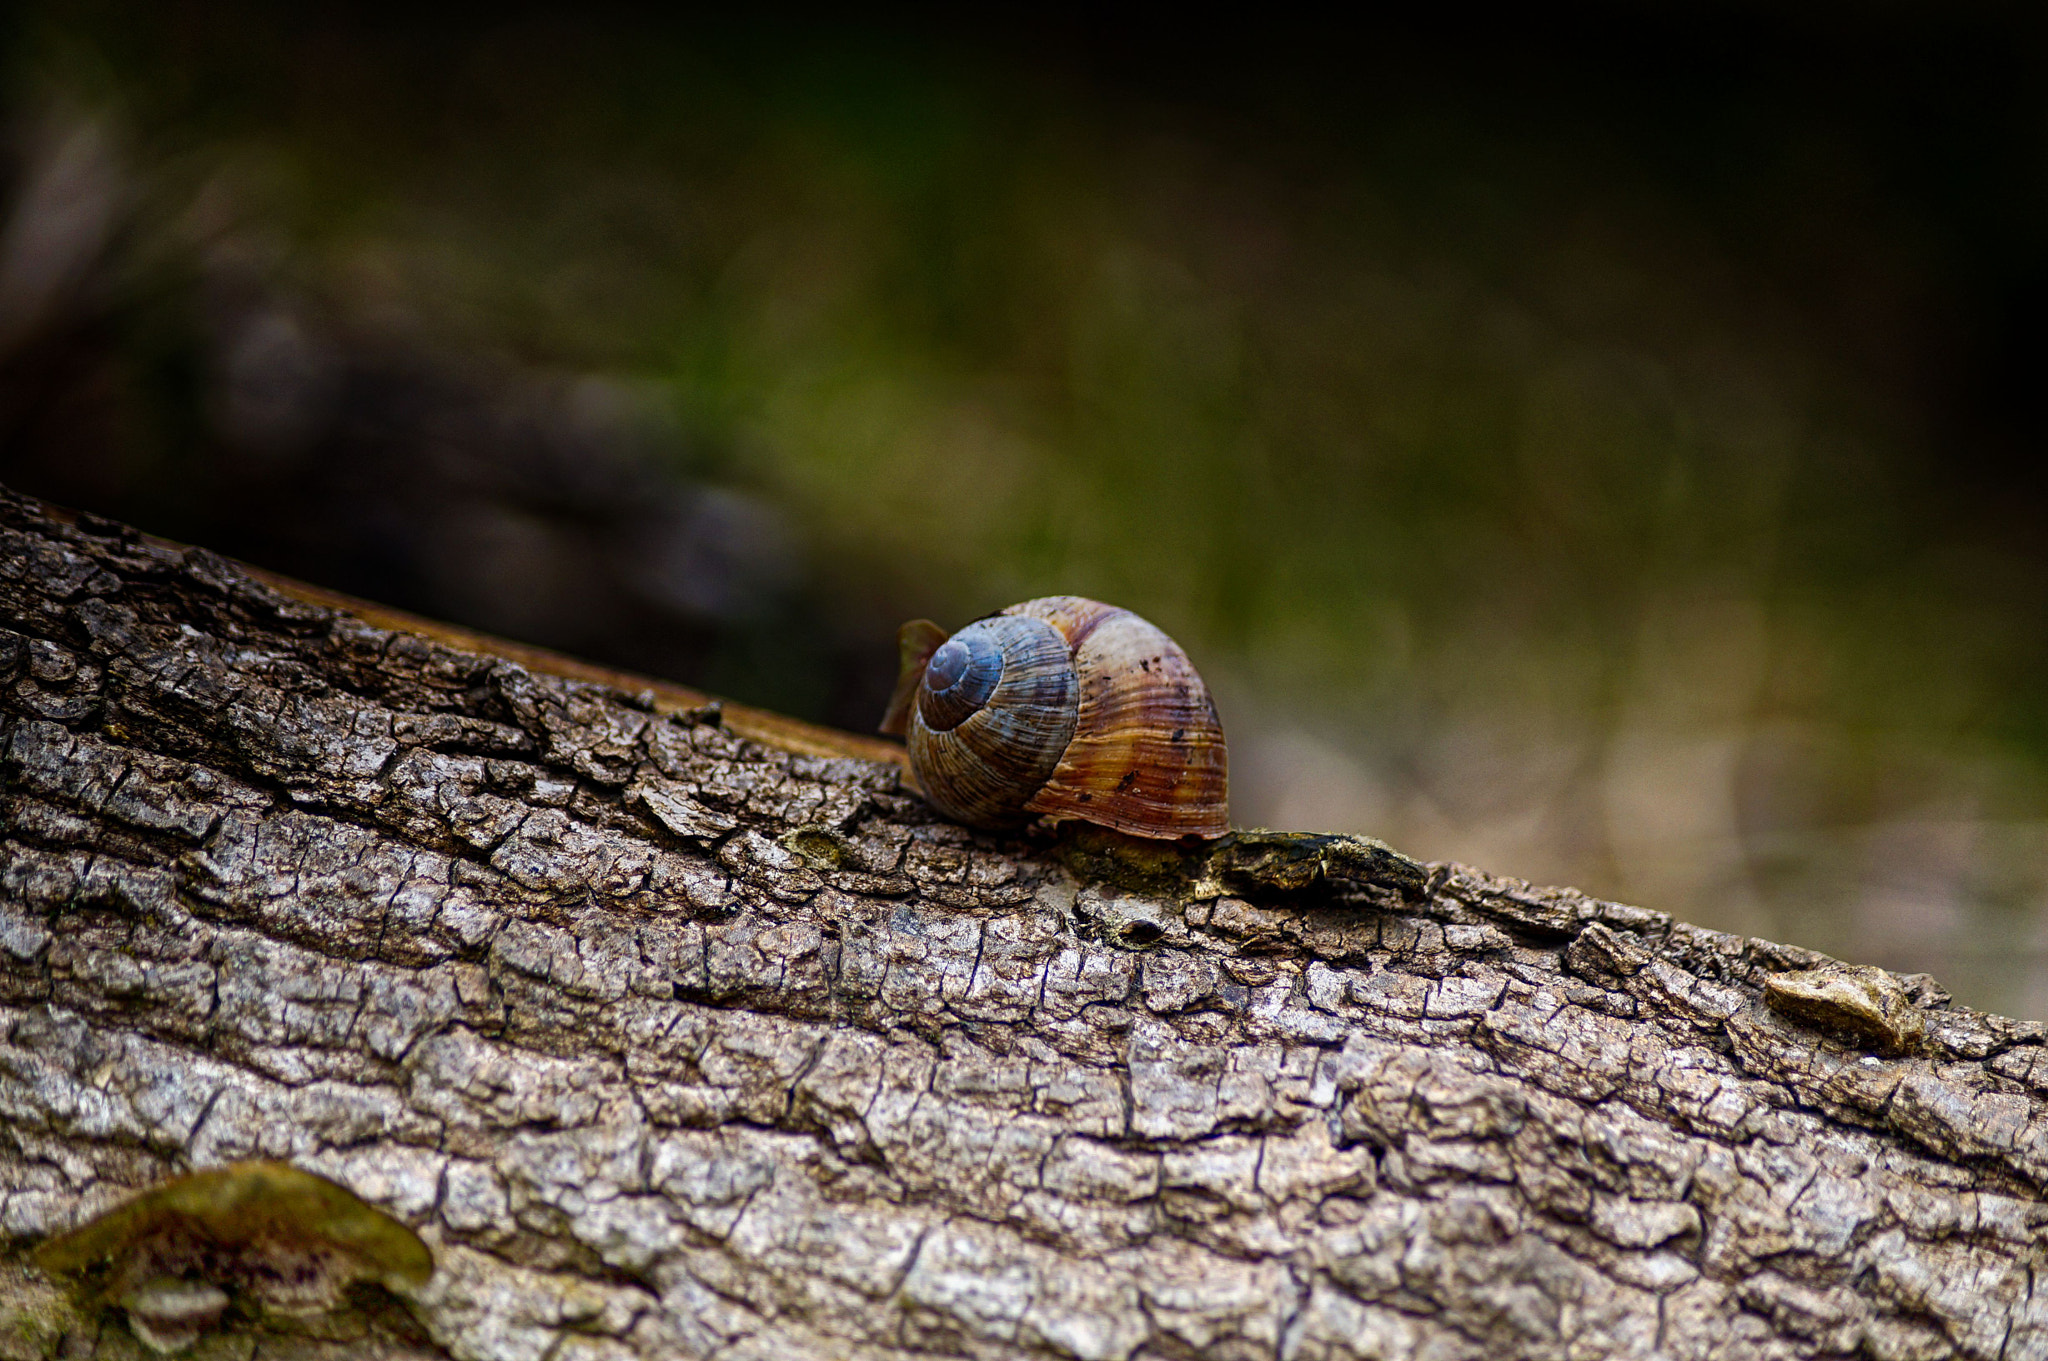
1062 708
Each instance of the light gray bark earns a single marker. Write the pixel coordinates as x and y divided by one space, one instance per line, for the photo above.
674 1044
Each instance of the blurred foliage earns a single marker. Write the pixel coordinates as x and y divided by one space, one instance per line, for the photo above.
1594 444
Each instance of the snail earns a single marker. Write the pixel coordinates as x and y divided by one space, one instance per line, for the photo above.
1061 709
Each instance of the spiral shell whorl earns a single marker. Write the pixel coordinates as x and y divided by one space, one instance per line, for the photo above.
980 763
959 679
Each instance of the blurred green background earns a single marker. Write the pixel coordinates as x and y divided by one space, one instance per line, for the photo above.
1597 445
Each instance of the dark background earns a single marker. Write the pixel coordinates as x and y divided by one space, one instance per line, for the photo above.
1597 444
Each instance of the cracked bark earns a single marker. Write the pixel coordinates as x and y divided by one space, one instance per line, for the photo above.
671 1043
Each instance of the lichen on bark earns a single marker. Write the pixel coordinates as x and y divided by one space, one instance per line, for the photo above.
670 1043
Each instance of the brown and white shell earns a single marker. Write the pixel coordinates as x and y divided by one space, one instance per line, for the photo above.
1062 709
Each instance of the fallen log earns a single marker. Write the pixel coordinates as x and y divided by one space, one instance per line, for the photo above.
670 1042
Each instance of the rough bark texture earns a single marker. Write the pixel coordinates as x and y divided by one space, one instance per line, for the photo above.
673 1044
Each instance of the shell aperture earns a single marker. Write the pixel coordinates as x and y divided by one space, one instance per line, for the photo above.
916 641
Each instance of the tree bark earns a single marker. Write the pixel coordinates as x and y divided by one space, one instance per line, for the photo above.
672 1043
